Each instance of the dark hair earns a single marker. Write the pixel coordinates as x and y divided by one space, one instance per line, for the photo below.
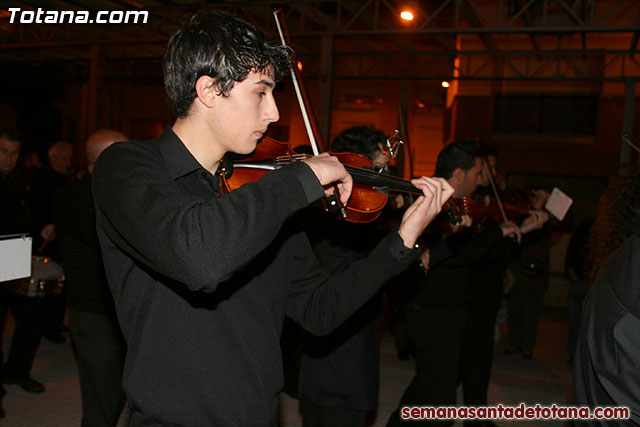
11 134
221 46
488 150
458 154
362 140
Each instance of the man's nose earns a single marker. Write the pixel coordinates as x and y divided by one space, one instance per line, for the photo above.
272 114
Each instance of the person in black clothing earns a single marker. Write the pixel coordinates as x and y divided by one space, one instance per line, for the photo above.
14 217
485 295
438 316
530 269
56 174
605 366
95 332
339 372
28 312
29 166
202 281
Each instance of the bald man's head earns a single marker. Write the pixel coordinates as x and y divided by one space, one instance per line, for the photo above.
98 141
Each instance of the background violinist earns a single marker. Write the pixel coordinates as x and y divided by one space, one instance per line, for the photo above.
339 372
439 315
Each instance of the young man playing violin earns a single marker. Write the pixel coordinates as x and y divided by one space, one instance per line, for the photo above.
202 281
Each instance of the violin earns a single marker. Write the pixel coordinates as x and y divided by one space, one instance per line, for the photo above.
370 190
485 208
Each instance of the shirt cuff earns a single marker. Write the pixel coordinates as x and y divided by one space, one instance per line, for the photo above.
310 183
400 252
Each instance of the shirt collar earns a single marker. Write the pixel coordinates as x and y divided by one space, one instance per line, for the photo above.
178 159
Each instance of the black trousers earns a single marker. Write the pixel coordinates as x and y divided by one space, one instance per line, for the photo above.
29 314
317 416
525 304
477 352
56 309
437 335
100 351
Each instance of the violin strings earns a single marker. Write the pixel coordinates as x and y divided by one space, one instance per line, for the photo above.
393 182
372 178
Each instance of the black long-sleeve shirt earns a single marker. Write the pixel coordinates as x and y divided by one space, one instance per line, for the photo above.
605 367
449 281
202 281
340 370
13 207
75 221
42 195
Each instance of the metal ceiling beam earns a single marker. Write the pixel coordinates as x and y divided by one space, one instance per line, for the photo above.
595 65
373 29
307 18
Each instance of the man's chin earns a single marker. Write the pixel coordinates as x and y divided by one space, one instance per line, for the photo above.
250 149
244 152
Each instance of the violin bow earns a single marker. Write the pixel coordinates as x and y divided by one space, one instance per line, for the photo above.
487 171
404 131
310 123
302 95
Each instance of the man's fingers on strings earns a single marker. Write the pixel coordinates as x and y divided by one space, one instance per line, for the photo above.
536 216
414 206
345 187
447 189
441 188
436 188
425 185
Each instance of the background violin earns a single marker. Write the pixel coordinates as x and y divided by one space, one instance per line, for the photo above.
487 207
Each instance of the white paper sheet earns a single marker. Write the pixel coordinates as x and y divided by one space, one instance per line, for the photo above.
15 257
558 204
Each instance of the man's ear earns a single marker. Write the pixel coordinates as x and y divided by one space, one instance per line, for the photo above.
206 90
457 177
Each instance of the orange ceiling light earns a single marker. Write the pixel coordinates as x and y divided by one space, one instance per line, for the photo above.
445 83
407 15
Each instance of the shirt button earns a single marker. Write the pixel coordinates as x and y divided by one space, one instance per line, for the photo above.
203 173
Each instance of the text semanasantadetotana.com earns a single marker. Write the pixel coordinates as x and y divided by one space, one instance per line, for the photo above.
522 412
